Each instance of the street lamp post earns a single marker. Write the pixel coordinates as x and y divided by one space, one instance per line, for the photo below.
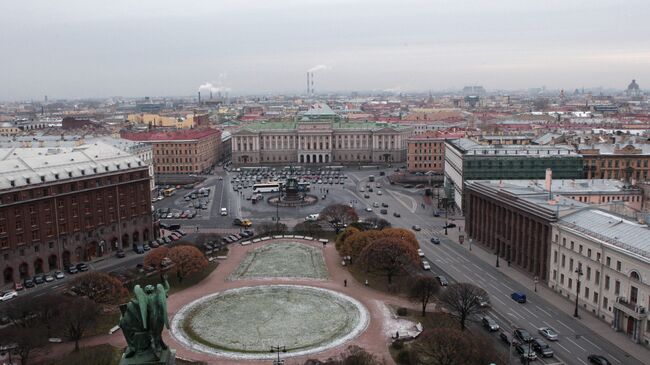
535 280
470 244
579 274
497 257
278 349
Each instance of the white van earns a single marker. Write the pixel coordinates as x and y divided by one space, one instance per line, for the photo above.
312 217
224 211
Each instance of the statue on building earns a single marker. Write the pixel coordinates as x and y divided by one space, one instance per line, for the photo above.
142 322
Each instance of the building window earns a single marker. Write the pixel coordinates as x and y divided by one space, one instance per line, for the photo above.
605 302
606 282
586 292
554 274
555 257
597 277
596 297
561 279
617 287
570 264
563 260
608 261
588 273
618 266
570 283
589 252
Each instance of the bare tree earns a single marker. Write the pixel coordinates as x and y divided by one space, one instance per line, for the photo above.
338 216
423 290
389 256
450 346
308 228
464 300
81 314
24 340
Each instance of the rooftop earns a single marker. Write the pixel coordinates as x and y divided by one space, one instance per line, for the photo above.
182 135
471 147
263 126
21 167
619 232
613 149
566 186
319 110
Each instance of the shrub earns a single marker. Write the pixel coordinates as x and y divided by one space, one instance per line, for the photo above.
402 311
403 357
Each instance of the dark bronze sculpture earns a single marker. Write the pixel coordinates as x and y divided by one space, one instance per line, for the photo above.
143 319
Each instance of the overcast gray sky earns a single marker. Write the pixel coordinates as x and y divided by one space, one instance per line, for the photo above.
90 48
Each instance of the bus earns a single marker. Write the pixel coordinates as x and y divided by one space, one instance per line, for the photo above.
169 192
271 187
303 186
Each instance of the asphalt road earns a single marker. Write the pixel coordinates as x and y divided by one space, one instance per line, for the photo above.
576 341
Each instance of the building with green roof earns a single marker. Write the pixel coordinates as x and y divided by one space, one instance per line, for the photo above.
319 136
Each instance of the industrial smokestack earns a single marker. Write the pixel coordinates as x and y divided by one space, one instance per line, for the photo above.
307 83
199 97
312 83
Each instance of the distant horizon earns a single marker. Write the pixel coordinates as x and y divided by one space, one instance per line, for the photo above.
72 49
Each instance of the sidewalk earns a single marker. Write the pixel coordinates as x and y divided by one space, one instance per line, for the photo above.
600 327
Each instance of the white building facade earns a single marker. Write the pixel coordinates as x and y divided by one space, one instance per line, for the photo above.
610 256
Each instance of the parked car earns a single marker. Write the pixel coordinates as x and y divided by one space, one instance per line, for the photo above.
154 244
420 253
384 211
598 360
426 265
518 297
29 283
146 247
48 278
396 214
120 254
542 348
490 324
366 196
18 286
449 225
548 333
71 270
82 266
416 228
523 335
8 295
59 275
435 240
38 279
442 280
368 209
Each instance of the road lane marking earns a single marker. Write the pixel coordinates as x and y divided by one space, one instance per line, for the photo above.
526 309
499 300
570 329
532 324
513 313
507 287
476 266
582 361
575 343
540 309
565 349
592 344
492 277
613 358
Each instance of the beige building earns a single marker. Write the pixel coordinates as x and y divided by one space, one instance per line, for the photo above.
605 260
426 152
182 152
319 137
180 122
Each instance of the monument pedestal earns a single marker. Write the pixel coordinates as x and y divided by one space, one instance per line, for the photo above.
167 357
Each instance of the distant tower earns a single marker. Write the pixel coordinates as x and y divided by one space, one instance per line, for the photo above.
307 83
46 98
312 83
199 97
633 89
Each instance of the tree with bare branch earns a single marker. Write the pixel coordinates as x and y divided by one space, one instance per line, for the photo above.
464 300
81 315
389 256
24 340
422 291
338 216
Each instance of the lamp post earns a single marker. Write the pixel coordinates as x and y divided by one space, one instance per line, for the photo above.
579 274
278 349
470 244
535 280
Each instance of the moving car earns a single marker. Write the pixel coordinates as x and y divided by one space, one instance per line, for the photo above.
542 348
598 360
416 228
449 225
526 352
8 295
548 333
368 209
518 297
435 240
443 280
420 253
523 335
224 211
490 324
425 265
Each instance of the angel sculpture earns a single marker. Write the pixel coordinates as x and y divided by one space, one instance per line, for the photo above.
143 320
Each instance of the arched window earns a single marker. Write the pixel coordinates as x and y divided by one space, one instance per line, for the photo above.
635 276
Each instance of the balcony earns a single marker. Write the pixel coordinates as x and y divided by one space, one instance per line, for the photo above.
631 309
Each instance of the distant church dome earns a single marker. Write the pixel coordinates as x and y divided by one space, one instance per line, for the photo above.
633 86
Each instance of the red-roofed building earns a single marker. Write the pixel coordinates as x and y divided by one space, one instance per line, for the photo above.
181 152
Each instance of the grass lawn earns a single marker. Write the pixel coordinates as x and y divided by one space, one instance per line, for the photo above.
380 282
96 355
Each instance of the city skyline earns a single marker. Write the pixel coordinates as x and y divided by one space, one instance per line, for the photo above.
76 49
